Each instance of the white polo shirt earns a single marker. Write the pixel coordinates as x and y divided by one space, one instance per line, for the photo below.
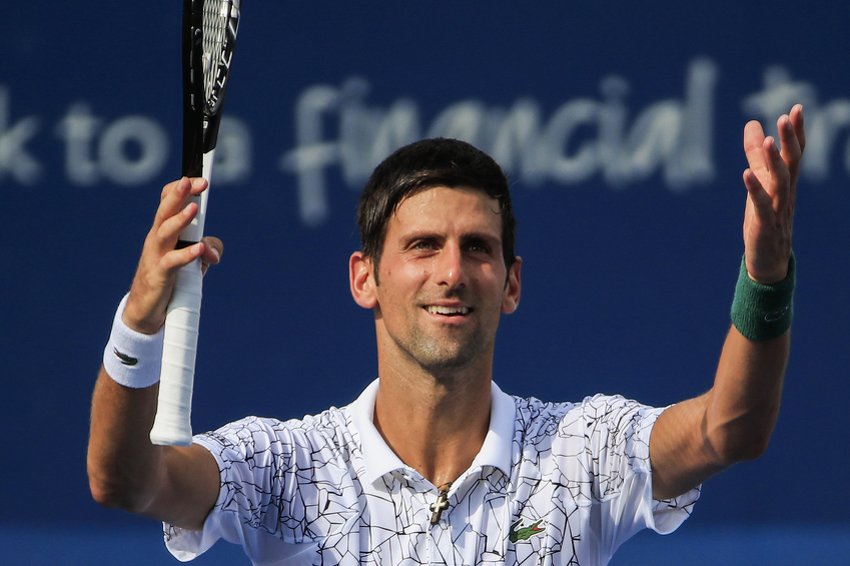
562 483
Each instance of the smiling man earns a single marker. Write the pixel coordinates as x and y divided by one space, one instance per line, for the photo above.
433 463
438 287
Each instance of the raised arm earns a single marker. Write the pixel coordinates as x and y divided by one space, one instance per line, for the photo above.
733 421
173 484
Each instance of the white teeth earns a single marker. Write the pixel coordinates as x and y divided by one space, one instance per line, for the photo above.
434 309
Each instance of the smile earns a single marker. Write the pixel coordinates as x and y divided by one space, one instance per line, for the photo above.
448 311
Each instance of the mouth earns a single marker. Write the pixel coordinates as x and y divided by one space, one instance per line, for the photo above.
447 311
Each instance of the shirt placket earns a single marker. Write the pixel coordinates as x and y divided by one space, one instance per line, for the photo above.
441 546
435 542
454 524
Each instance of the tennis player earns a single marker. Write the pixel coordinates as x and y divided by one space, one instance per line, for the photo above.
433 463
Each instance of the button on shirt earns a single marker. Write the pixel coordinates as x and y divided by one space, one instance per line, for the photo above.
563 483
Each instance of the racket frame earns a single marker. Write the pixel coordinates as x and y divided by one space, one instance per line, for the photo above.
202 106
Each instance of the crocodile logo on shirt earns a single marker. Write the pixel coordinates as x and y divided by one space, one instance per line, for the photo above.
525 533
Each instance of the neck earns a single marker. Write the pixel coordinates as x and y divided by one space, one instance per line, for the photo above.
435 425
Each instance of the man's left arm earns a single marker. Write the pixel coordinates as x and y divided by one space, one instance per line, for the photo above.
733 421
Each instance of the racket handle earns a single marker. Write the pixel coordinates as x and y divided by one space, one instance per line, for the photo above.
172 425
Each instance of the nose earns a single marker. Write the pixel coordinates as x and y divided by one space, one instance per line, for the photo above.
449 268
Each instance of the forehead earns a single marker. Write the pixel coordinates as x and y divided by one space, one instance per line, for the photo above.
439 209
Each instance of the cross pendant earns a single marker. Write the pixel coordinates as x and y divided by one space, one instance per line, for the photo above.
441 504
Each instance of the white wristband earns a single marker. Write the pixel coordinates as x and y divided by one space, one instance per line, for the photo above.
131 358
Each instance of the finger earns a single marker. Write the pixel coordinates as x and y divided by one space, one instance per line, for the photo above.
792 152
170 187
760 198
754 149
213 248
168 232
211 255
172 199
779 186
197 185
175 259
797 120
175 195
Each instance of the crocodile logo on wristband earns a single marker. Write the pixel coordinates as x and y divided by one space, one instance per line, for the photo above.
776 315
125 359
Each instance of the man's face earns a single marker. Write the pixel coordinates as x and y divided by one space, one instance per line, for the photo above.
443 280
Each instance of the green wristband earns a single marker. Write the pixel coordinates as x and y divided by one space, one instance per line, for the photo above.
763 312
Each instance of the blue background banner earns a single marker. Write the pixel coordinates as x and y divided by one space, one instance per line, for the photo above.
620 124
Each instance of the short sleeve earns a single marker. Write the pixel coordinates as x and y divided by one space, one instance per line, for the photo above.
251 458
619 430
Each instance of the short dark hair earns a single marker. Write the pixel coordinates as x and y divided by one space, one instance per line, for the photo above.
423 165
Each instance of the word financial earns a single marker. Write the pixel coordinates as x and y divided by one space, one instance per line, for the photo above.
580 139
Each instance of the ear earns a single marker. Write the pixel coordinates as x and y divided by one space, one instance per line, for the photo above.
362 280
510 298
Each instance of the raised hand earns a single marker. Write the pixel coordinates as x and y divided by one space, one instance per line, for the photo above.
154 280
771 182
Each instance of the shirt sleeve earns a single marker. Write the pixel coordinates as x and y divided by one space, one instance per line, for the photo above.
619 431
251 456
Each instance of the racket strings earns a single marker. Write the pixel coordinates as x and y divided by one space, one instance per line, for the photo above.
216 15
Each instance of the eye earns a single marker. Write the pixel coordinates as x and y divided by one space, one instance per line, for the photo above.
422 245
477 246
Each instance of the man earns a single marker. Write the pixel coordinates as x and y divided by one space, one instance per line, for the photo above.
433 463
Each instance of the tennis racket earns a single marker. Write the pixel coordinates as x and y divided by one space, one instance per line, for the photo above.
209 36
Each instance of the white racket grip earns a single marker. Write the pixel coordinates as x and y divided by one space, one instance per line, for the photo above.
172 425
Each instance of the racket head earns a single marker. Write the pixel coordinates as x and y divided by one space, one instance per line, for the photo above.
219 24
209 39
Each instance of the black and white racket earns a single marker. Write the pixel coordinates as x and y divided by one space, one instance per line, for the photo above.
209 36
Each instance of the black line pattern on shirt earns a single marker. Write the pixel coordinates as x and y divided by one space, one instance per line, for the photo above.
300 482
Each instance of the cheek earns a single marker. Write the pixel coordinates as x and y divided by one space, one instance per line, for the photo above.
406 276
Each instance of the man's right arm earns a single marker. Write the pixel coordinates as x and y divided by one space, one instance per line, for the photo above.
174 484
177 485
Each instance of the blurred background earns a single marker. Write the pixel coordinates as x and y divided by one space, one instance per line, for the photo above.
620 125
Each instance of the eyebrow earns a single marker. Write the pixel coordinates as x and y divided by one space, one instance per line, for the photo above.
490 239
482 237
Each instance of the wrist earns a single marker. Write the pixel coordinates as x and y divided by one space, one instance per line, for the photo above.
131 358
779 273
138 325
763 312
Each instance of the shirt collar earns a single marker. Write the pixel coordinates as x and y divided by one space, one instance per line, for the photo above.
379 459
